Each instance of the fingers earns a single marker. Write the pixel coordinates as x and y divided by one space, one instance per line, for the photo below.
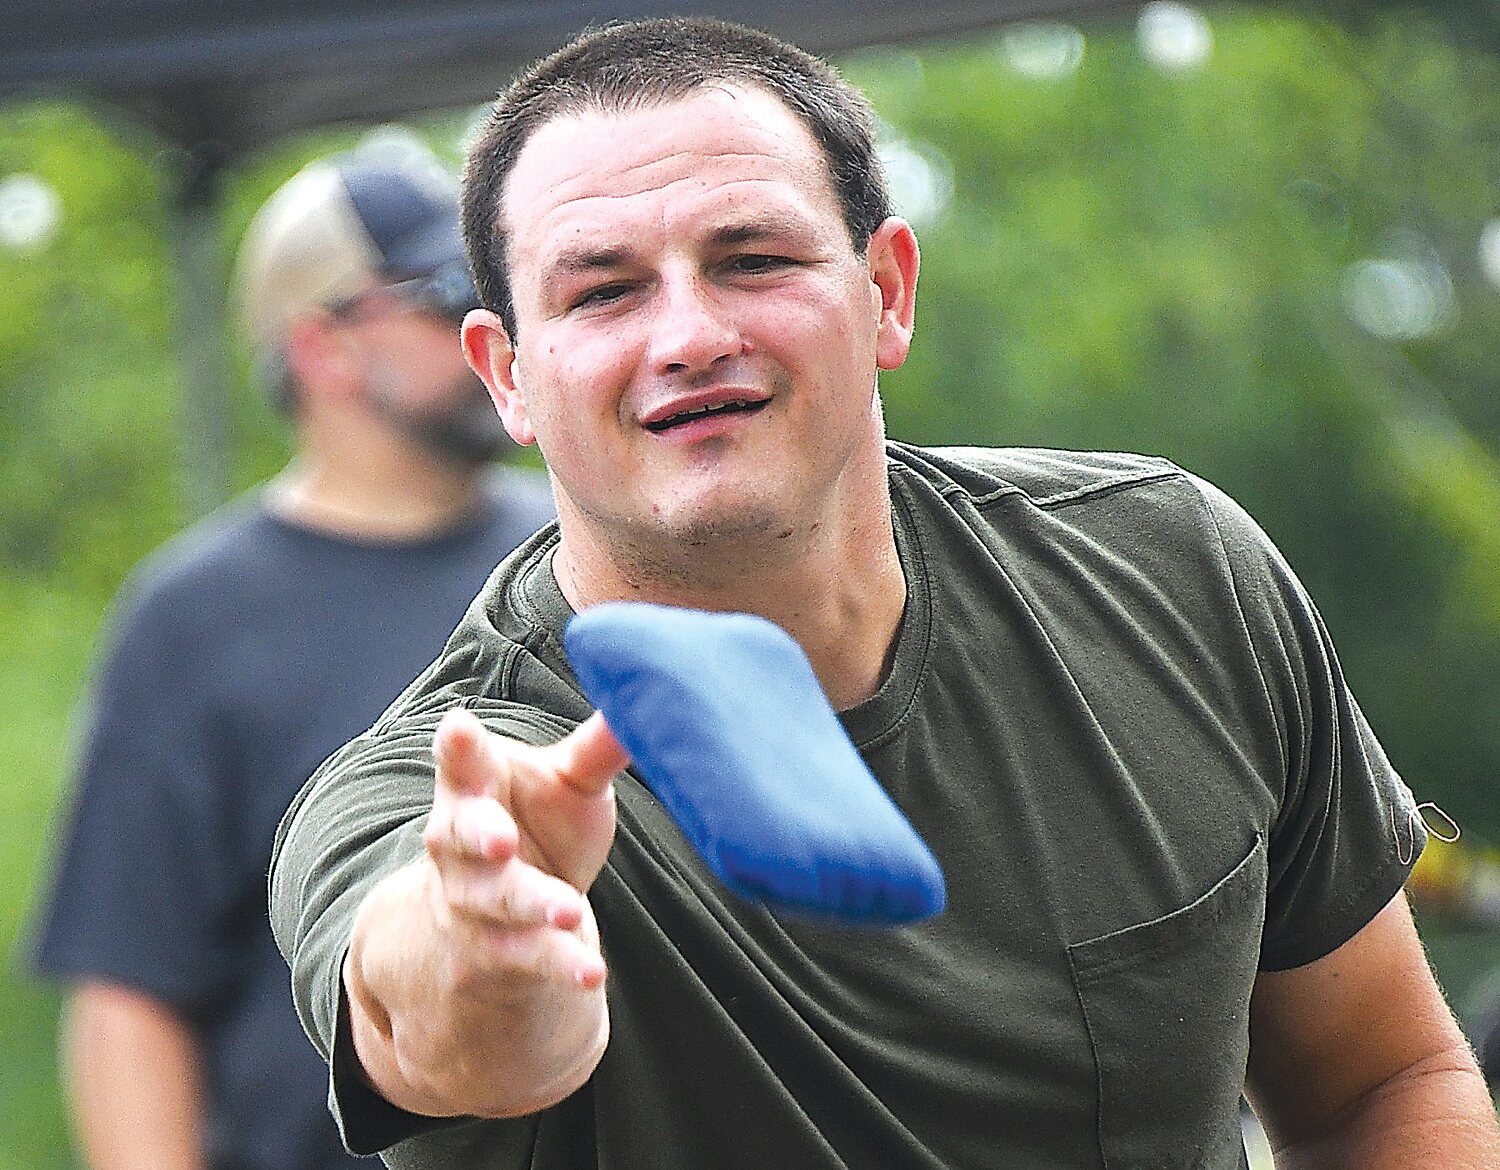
471 829
589 757
496 797
537 955
522 920
496 878
467 823
460 751
586 759
511 896
475 843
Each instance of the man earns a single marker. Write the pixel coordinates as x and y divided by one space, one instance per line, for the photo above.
1173 849
252 647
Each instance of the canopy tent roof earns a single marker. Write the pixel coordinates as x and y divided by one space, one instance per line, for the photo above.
235 75
238 74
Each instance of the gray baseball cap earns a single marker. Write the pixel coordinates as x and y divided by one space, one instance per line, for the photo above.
344 225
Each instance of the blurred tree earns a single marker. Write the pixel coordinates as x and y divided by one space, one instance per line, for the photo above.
83 343
1264 264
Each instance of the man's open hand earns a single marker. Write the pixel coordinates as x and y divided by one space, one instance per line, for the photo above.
474 977
518 834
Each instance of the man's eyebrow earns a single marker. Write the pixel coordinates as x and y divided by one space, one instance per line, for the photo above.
586 259
575 260
757 229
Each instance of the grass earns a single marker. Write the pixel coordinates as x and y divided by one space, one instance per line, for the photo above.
47 637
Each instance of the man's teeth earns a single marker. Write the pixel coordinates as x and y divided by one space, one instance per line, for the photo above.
737 404
699 411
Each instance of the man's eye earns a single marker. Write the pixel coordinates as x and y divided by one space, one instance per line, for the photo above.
602 295
759 263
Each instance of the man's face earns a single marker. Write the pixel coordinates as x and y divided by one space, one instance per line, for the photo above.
699 339
415 378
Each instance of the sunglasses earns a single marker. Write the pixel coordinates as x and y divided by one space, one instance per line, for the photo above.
446 292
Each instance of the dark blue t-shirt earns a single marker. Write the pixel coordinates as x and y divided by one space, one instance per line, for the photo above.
240 656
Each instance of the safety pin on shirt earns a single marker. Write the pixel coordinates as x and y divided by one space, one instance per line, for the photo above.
1406 851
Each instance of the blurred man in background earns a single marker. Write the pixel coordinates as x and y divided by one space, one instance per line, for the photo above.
247 650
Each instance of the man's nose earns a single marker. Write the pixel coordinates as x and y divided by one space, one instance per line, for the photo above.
690 331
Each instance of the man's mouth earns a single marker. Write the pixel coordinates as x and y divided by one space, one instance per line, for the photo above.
734 406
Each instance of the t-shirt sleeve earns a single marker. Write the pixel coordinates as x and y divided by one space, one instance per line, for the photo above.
359 818
140 892
1348 831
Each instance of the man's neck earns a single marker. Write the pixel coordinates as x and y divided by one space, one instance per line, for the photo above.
377 499
842 599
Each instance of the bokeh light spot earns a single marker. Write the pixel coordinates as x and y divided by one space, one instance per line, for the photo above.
920 180
30 212
1041 50
1174 37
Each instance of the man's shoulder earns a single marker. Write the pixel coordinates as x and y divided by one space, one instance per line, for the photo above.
205 556
507 647
1046 477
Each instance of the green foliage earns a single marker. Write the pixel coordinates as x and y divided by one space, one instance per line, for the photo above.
1131 258
46 634
84 339
1157 261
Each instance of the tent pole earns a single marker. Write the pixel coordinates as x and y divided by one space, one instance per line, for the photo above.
202 328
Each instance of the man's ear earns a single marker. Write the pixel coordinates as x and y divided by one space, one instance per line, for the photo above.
893 258
492 357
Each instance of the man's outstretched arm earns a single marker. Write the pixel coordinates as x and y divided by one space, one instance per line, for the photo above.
474 979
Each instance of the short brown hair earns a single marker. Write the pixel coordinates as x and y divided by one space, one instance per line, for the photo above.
634 64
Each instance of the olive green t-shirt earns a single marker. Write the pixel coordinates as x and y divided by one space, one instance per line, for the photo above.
1115 717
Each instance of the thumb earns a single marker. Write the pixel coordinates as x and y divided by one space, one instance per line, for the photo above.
588 757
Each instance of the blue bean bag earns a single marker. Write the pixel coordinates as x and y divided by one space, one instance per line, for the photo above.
729 727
